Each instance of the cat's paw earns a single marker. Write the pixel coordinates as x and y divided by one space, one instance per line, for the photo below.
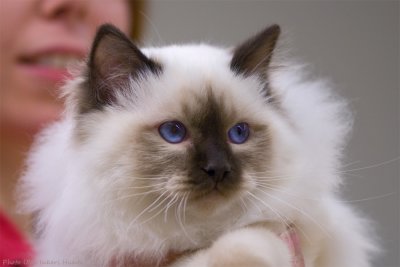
249 247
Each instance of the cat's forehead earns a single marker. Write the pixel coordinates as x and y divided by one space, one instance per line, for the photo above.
197 85
206 102
201 57
208 108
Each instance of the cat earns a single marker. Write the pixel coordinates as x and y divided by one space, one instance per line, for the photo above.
193 149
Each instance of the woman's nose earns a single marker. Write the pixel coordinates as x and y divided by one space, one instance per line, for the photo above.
69 10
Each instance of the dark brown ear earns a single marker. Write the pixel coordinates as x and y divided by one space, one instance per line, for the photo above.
113 60
254 55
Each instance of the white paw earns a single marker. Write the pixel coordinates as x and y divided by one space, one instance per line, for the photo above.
249 247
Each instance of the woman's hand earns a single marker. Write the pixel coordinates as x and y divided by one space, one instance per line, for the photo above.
292 240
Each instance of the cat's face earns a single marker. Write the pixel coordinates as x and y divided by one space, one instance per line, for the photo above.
177 126
203 143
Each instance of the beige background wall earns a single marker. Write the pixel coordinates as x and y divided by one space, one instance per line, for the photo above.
356 45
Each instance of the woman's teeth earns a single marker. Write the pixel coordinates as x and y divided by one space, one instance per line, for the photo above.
56 60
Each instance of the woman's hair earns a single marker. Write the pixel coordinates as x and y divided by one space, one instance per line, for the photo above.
136 9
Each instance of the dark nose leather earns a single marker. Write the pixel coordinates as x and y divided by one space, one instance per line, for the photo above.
217 169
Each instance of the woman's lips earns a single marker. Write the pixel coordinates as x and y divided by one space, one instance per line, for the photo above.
51 65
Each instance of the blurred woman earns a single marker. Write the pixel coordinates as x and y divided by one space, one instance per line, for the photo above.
39 38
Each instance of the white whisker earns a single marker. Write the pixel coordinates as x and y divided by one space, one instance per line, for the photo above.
369 198
372 166
134 195
269 207
284 219
179 219
147 208
243 205
299 210
184 206
158 213
255 204
270 187
153 26
141 187
170 203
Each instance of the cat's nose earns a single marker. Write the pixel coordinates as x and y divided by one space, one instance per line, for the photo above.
217 171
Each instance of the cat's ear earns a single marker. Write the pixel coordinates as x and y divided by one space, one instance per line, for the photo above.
253 57
113 60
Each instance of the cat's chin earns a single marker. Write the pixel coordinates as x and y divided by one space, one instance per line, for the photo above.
213 200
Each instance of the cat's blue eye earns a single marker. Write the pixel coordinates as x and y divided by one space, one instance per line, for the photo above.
172 131
239 133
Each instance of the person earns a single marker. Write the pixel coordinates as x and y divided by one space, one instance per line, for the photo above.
39 38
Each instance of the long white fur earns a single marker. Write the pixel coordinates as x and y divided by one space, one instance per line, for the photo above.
76 191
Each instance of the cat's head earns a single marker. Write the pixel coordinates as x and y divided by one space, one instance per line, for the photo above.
194 127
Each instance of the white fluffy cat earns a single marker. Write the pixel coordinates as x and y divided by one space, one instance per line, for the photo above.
194 149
